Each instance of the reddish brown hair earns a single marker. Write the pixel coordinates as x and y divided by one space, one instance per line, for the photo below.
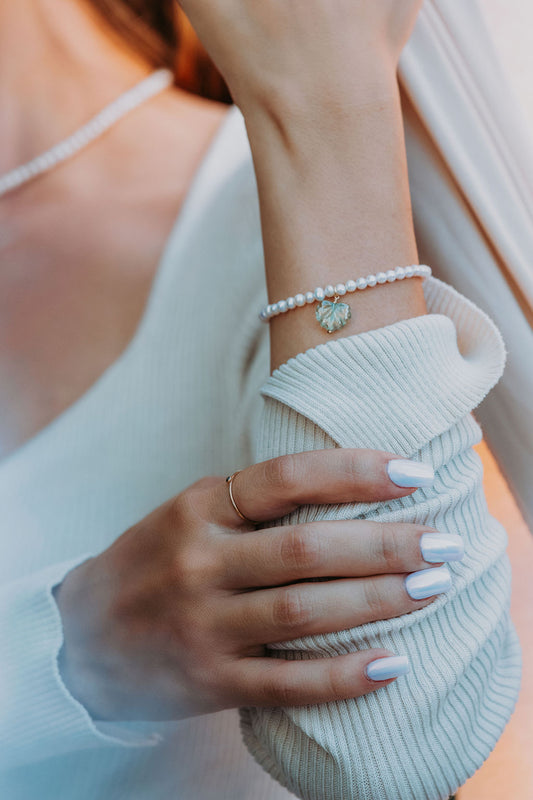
160 32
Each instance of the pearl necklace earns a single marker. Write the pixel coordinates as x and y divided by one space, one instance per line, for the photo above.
98 125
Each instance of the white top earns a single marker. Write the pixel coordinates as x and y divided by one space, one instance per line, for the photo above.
470 160
184 401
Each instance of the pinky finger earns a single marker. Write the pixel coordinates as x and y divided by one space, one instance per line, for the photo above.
277 682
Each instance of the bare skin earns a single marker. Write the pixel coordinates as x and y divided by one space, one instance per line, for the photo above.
180 607
318 89
171 621
74 282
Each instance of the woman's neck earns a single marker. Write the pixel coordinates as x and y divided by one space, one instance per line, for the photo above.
58 66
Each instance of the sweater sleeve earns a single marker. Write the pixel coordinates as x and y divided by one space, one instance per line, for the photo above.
408 388
39 718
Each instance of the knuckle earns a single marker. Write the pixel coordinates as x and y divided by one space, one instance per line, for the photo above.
202 674
195 567
360 462
182 508
281 474
373 599
362 465
290 610
337 683
390 546
301 549
189 506
281 690
205 483
284 695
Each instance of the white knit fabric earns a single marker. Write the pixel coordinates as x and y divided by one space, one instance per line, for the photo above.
407 388
184 401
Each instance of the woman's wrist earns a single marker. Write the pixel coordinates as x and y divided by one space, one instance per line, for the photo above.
335 204
292 105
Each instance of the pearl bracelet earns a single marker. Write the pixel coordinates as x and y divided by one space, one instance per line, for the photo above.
333 315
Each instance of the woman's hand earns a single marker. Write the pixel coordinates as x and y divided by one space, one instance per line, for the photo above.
173 618
303 51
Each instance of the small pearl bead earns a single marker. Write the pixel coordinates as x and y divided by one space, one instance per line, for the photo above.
300 299
46 161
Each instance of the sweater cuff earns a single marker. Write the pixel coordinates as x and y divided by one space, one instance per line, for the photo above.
407 388
41 718
374 389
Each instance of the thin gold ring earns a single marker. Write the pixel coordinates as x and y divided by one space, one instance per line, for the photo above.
229 481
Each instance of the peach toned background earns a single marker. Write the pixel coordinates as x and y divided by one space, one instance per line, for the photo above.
508 773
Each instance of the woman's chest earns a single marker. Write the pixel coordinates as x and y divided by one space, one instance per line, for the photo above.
72 292
179 404
164 415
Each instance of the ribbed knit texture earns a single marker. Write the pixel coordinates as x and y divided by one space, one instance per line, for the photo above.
184 401
29 615
408 388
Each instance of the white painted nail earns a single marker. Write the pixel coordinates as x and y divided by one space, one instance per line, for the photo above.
427 582
407 472
436 547
382 669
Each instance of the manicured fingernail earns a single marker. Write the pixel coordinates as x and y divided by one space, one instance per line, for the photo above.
438 547
427 582
406 472
382 669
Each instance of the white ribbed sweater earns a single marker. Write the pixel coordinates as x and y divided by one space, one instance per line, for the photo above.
184 400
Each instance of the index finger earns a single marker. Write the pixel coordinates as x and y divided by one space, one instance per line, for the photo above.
270 489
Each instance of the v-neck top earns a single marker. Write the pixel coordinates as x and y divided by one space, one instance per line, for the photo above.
202 179
192 395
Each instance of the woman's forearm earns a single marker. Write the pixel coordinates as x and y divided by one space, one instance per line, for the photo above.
335 205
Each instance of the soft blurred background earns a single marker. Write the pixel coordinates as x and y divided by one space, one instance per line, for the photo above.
508 773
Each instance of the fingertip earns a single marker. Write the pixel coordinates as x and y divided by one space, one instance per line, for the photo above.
387 668
409 473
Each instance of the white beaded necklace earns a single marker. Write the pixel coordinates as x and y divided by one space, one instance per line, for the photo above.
99 124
